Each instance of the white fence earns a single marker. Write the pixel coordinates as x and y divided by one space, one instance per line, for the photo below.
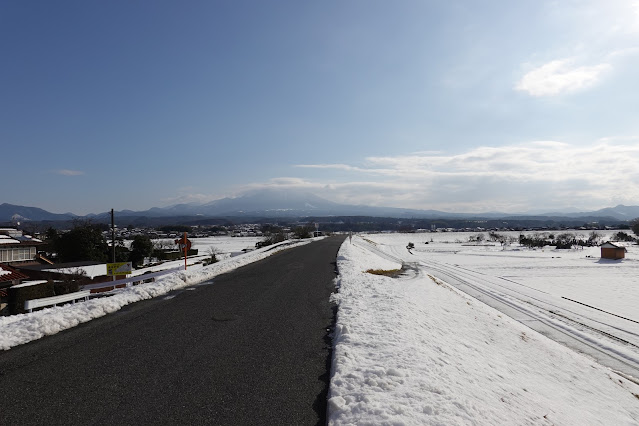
30 305
131 280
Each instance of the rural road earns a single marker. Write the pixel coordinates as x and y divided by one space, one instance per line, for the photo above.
249 347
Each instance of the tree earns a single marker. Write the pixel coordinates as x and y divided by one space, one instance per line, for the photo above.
494 236
71 282
83 242
212 252
163 245
268 229
622 236
565 241
121 252
477 238
271 239
593 238
51 235
529 241
50 240
634 225
141 247
302 232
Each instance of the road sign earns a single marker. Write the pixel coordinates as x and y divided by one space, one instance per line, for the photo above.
119 268
183 242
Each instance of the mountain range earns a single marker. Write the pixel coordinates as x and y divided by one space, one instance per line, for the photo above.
288 203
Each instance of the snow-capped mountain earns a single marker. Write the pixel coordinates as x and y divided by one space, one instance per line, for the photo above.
272 203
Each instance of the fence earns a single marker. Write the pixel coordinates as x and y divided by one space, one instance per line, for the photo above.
127 282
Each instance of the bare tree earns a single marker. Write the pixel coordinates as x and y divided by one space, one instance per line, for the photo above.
634 225
212 253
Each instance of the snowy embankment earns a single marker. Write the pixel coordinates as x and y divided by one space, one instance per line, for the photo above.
19 329
415 351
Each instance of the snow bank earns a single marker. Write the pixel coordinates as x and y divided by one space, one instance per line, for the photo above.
19 329
415 351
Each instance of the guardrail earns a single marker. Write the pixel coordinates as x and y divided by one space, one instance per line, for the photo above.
30 305
129 281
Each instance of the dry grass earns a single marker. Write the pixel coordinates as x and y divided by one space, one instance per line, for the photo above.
386 272
435 280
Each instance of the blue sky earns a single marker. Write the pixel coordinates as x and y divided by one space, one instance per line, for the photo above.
457 105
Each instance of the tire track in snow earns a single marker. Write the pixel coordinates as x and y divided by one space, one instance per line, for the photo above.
614 357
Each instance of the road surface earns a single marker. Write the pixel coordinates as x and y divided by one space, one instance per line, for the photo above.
249 347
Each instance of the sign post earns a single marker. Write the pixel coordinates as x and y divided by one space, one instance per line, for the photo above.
185 245
119 268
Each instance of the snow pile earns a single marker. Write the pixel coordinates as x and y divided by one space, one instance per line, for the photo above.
91 271
415 351
19 329
4 272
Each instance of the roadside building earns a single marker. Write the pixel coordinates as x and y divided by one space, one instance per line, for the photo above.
8 277
612 251
17 248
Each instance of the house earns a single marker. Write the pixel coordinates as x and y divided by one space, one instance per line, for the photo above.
612 251
17 248
8 277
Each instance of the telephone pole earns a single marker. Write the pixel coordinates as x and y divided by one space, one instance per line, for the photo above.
112 237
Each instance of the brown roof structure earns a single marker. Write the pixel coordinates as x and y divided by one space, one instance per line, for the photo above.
9 276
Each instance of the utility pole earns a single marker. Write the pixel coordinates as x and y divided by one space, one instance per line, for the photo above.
186 250
112 237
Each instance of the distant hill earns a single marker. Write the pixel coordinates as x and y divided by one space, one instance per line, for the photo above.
619 212
13 213
279 203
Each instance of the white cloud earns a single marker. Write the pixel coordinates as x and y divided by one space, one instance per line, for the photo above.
187 199
67 172
328 166
560 76
586 39
541 174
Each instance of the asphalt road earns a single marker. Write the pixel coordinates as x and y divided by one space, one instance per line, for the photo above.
250 347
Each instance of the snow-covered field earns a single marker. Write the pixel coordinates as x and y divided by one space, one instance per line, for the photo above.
19 329
416 350
224 247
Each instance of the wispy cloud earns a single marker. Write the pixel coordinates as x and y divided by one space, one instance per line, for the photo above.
541 174
593 39
328 166
67 172
187 195
561 76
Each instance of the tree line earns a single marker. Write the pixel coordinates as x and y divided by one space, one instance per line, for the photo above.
85 241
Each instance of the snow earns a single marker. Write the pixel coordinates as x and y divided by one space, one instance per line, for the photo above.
224 246
91 271
5 239
19 329
29 283
415 350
